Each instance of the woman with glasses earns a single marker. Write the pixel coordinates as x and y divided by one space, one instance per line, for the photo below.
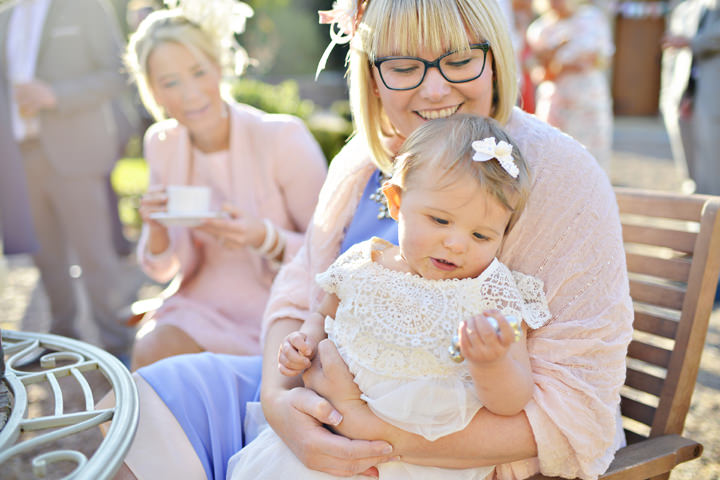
412 61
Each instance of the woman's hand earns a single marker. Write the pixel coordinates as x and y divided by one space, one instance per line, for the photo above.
155 200
298 415
330 378
237 230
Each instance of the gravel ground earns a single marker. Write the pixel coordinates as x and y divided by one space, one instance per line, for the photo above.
641 159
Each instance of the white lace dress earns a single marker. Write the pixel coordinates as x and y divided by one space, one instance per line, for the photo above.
394 329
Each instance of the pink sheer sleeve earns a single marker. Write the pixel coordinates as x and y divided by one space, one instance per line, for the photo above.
295 293
570 237
300 171
181 253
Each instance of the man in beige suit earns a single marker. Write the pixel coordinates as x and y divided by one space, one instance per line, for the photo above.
62 62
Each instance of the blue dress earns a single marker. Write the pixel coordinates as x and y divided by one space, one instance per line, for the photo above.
208 393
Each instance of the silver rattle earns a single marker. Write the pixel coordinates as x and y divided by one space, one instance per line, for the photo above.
454 348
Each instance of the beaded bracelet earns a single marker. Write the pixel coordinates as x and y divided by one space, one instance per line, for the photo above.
270 238
279 247
274 242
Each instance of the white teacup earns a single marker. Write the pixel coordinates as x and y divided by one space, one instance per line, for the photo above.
188 199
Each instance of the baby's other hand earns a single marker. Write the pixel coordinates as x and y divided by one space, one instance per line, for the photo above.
296 353
481 342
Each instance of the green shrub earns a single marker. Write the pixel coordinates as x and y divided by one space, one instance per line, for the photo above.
281 98
130 180
330 130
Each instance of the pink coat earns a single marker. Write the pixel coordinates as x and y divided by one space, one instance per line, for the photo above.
569 236
274 170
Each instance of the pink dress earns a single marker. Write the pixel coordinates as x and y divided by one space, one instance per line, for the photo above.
223 292
578 103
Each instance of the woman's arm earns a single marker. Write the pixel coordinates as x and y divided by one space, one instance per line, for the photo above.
300 170
512 438
162 253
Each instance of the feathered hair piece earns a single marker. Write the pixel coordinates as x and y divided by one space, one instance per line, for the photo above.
221 20
343 20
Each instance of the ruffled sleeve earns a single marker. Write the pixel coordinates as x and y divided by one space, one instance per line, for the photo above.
535 308
331 279
181 256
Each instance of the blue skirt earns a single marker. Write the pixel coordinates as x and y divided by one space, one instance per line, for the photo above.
208 393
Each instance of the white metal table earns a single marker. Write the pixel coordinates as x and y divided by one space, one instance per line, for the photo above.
66 358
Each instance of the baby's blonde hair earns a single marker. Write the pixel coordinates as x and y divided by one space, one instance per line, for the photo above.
162 26
445 146
404 27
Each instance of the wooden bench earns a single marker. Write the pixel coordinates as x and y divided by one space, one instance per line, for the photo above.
672 243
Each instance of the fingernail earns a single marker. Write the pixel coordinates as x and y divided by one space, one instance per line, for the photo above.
387 450
335 418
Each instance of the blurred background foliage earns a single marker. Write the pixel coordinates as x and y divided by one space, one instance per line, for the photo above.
329 127
285 38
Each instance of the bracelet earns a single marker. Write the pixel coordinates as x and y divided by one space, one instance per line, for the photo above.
279 247
271 237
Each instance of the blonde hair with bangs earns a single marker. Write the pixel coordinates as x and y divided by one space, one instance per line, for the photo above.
160 27
445 145
403 27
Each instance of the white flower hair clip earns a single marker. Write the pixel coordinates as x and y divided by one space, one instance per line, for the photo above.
343 20
221 19
487 149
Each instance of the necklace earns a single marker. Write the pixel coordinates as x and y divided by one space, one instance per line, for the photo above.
379 198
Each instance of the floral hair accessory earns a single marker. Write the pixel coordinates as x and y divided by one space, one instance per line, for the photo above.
487 149
343 20
221 19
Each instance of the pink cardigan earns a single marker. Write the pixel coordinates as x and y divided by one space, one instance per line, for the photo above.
570 237
275 171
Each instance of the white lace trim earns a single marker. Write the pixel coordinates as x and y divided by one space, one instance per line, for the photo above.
398 325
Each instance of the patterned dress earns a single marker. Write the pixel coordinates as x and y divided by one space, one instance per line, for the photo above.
577 102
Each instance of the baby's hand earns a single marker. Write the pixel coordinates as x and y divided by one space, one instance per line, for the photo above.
296 353
481 342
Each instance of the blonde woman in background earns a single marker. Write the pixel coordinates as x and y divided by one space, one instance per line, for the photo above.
573 46
264 171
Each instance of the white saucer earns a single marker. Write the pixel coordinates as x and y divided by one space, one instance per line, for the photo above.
185 219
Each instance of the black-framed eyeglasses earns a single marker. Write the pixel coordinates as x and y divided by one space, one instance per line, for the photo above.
406 73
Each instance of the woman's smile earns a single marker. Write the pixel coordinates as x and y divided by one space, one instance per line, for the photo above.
432 114
197 112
